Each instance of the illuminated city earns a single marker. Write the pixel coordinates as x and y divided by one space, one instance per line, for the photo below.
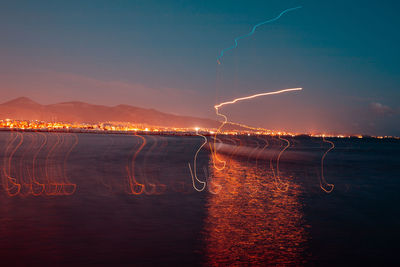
120 127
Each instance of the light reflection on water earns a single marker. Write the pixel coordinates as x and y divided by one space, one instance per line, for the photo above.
241 219
250 221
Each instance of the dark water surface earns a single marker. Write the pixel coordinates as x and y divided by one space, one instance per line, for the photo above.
95 199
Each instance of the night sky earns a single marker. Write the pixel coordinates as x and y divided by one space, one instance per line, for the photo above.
162 55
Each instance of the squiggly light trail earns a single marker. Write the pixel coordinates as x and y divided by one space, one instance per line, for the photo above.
253 30
193 172
278 175
322 167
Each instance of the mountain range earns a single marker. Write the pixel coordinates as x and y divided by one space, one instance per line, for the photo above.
24 108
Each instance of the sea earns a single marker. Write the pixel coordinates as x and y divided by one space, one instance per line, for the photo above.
163 200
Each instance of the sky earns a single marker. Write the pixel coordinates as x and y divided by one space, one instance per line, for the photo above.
163 55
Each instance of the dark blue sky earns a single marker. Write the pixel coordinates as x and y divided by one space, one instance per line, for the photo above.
162 54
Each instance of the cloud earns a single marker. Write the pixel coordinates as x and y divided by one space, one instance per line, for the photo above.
381 109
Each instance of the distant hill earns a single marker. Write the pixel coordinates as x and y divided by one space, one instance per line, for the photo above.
24 108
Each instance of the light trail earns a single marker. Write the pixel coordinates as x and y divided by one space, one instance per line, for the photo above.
193 172
25 176
34 176
214 153
278 176
322 167
7 164
132 182
149 188
256 95
252 31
